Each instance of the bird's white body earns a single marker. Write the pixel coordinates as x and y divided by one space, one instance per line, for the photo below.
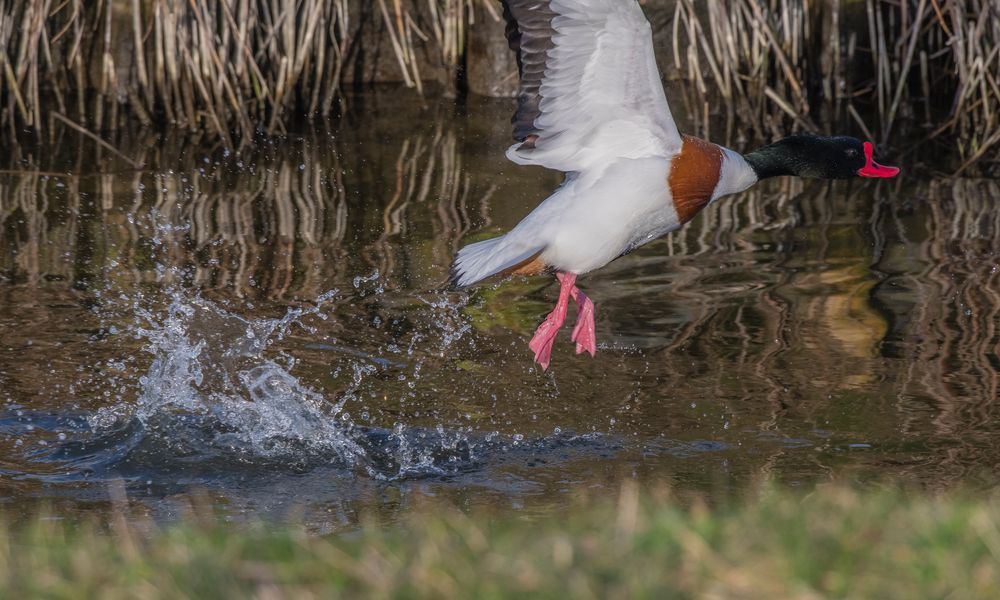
601 116
593 219
597 216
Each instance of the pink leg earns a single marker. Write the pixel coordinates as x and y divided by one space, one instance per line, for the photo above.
541 344
584 333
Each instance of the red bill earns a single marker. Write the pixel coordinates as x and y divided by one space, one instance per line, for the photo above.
872 168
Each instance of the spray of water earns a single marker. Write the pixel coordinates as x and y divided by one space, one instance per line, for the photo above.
218 387
217 399
212 364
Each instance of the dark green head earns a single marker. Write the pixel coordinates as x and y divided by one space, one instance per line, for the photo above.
819 157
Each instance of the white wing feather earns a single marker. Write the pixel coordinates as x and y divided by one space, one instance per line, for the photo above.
601 98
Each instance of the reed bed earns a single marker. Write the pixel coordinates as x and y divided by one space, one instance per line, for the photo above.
236 67
242 67
812 64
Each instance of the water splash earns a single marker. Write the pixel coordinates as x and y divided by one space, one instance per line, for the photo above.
219 395
217 404
211 364
217 389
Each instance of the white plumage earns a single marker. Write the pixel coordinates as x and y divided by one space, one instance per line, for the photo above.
603 118
601 95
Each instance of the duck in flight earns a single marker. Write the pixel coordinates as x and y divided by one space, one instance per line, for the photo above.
591 104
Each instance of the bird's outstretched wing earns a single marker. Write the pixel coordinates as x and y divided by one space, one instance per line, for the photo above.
590 90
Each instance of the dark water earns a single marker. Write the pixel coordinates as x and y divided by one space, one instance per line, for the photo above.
270 331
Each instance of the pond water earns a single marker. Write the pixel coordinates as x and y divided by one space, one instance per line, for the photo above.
271 332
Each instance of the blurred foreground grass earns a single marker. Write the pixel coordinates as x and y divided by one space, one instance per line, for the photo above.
833 542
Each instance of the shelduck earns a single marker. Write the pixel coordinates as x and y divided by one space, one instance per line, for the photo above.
591 104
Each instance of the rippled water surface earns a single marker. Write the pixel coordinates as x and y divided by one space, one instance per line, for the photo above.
271 330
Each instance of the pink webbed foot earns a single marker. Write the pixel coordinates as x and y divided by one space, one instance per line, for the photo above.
584 334
545 335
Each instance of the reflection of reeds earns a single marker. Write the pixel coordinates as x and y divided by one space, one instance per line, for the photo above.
942 289
959 304
832 326
429 170
801 303
285 225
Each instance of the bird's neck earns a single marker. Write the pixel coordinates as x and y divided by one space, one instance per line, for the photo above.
735 175
772 161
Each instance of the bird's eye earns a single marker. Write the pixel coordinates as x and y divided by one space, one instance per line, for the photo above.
852 153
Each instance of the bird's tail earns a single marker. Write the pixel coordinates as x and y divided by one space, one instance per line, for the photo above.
478 261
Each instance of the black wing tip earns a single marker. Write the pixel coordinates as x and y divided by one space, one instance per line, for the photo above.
529 35
455 277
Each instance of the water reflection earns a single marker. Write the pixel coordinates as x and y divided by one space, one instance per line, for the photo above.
280 224
800 332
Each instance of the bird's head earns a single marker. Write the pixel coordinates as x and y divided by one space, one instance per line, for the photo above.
840 157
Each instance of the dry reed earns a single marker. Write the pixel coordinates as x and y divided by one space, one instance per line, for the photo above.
236 67
798 63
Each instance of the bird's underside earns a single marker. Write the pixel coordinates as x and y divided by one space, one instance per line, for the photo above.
591 104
